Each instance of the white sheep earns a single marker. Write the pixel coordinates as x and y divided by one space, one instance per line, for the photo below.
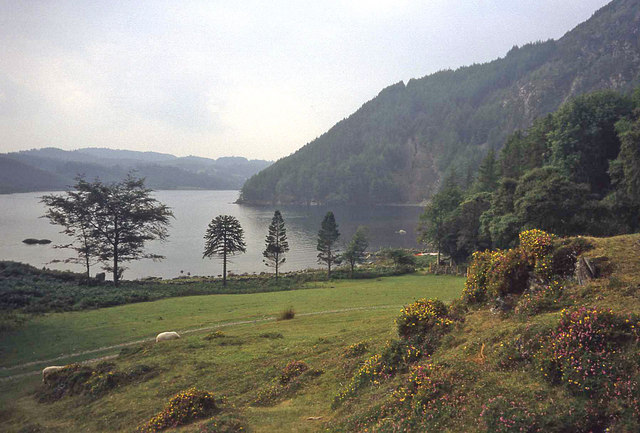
51 369
164 336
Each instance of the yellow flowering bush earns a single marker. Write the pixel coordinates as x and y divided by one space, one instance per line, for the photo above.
422 317
475 288
538 245
508 273
183 408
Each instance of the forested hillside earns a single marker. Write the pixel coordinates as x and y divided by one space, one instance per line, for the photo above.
573 172
53 169
398 146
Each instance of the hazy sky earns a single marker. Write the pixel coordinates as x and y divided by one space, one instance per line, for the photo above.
249 78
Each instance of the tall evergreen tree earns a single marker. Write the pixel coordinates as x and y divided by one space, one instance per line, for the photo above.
355 250
224 237
433 221
327 237
276 243
488 174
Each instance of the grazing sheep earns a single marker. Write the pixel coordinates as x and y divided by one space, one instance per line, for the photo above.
51 369
164 336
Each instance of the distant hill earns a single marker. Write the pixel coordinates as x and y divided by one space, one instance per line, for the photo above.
54 169
398 146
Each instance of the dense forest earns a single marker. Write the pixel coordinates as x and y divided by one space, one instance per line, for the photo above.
573 172
399 146
51 169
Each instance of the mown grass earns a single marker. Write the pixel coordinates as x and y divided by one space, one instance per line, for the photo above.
52 335
236 365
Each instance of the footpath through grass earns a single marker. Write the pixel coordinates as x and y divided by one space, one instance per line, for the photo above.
56 334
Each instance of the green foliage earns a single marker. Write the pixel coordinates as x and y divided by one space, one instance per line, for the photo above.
183 408
276 243
327 237
584 140
402 259
355 252
432 227
224 237
110 221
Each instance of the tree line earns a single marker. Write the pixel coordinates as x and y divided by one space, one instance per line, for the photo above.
110 224
575 171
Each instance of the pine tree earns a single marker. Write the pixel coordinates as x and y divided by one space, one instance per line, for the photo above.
488 174
224 237
356 248
276 243
327 237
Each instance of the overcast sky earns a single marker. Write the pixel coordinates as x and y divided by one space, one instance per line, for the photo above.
258 79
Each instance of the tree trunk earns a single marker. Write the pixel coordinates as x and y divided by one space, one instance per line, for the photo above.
277 264
329 264
116 279
224 268
86 258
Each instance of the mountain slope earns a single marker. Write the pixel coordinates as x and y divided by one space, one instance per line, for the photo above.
398 146
53 169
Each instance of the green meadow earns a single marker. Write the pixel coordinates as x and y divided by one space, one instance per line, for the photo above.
235 365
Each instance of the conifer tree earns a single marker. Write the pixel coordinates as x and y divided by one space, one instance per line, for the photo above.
327 237
276 243
224 237
356 248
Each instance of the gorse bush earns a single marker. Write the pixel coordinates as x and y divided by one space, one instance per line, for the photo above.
475 288
508 272
422 317
183 408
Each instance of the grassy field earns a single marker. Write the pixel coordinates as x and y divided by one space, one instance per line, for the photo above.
236 366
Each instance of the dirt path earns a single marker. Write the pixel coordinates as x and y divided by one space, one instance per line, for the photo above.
146 340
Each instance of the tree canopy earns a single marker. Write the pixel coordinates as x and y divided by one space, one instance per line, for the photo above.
276 244
327 237
120 218
224 237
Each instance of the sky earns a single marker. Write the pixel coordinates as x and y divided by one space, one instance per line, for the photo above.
258 79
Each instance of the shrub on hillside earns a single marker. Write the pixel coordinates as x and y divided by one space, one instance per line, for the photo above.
475 288
423 317
538 246
586 352
183 408
292 370
508 272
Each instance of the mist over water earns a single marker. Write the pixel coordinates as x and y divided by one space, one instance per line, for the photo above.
193 210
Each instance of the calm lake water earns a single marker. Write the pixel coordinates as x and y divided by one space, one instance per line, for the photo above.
193 210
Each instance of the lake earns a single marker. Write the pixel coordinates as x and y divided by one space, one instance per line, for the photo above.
193 210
